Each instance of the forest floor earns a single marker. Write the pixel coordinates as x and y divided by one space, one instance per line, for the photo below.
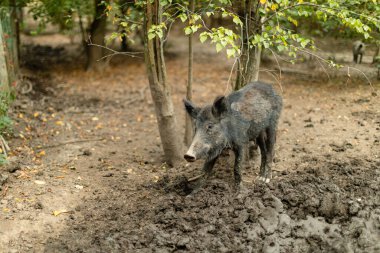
86 171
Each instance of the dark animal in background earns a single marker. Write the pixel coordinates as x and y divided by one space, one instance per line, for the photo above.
250 114
358 50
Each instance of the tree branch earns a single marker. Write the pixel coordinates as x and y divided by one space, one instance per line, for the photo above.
317 6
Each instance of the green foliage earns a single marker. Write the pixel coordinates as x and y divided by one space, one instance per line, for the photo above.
3 159
377 62
128 17
59 12
359 18
222 38
5 100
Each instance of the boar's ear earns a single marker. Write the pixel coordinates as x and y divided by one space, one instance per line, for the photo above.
219 106
190 108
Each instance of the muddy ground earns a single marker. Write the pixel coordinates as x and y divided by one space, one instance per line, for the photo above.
86 171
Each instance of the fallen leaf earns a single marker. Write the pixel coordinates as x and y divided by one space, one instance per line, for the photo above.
56 213
41 153
39 182
23 174
80 187
94 118
36 114
59 123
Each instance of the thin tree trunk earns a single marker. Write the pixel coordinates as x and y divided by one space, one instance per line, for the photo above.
160 91
4 75
377 52
15 19
97 34
125 5
249 62
189 95
81 28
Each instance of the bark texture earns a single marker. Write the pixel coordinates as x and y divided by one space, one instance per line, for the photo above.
160 90
249 62
97 34
189 122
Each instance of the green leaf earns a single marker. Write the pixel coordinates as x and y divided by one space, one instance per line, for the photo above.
183 17
196 17
160 33
237 21
151 36
164 2
194 28
203 37
230 52
218 47
228 32
280 48
188 30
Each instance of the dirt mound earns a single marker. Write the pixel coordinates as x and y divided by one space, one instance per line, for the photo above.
334 208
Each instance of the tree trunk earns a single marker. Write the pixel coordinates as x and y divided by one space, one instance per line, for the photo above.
15 19
81 28
189 95
125 5
4 75
377 52
160 91
97 34
9 64
249 62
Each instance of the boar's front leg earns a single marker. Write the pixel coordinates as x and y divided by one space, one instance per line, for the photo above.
201 179
207 167
239 155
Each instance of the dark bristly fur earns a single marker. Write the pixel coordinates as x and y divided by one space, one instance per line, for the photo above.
358 49
250 114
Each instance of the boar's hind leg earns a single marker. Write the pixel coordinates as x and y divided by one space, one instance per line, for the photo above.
261 141
270 141
239 156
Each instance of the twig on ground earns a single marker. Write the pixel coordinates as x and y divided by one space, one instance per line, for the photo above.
69 142
348 73
195 178
5 191
4 145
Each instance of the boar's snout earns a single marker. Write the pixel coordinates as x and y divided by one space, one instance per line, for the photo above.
190 157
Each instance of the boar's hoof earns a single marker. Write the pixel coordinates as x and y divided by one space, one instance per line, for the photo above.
264 179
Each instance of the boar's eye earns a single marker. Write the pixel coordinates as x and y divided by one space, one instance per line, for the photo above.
209 126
